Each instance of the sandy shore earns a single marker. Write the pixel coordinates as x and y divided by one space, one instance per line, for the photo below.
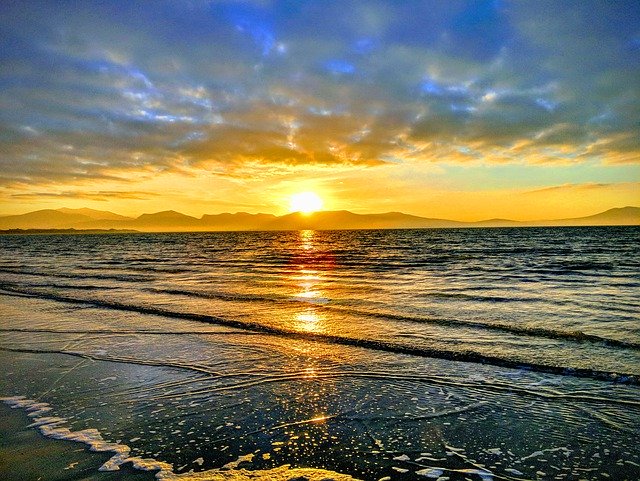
26 454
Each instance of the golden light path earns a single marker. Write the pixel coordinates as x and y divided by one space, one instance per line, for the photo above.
308 280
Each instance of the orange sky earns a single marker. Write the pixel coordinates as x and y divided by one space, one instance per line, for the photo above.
428 194
459 110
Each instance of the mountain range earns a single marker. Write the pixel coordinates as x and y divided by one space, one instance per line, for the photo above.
171 221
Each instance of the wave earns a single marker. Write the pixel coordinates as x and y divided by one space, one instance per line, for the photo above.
486 299
256 379
556 334
379 345
104 277
121 332
56 428
80 287
480 298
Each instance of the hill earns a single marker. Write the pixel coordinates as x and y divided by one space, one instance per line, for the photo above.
617 216
172 221
94 214
42 219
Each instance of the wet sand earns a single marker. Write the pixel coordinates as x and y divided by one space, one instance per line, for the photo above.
27 455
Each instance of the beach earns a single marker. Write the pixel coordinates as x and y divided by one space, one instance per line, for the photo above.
260 354
26 454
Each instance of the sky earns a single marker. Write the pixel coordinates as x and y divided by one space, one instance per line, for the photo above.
453 109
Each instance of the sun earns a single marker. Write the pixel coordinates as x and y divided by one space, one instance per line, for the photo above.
305 202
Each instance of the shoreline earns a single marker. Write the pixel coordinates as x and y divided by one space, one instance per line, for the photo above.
47 444
103 343
27 454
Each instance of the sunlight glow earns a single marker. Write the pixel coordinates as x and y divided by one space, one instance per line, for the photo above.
305 202
308 321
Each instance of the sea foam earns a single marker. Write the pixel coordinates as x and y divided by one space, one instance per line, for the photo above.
55 427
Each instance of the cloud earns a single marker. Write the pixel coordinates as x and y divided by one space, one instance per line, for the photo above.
102 195
583 187
101 91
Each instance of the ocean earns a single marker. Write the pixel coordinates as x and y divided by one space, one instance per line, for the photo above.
453 354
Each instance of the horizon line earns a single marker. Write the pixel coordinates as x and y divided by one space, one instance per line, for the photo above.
311 214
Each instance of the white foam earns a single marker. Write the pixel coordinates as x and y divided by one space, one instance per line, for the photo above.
53 427
536 454
430 472
513 471
496 451
241 459
484 475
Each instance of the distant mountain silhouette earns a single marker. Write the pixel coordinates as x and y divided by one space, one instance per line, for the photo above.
343 219
160 220
172 221
94 214
43 219
238 221
58 219
617 216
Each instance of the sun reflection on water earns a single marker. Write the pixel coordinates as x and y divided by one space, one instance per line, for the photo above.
306 239
307 281
308 321
309 372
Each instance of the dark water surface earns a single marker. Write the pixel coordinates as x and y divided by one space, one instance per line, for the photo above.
414 354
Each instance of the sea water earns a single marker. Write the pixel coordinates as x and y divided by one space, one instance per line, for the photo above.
409 354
